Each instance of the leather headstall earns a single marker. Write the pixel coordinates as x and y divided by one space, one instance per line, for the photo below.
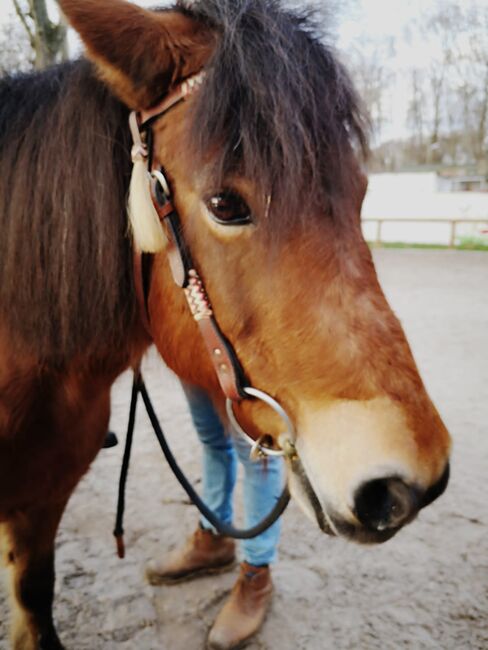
185 274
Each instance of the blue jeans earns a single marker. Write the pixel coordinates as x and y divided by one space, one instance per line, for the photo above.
263 481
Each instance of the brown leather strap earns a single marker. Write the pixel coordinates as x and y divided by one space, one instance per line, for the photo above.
220 357
139 289
138 274
221 354
181 92
163 210
176 265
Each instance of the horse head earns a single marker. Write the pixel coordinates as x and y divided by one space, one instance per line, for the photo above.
263 167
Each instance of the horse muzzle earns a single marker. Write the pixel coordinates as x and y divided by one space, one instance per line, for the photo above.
381 507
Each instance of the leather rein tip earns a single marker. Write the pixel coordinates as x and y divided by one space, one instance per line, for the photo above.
120 546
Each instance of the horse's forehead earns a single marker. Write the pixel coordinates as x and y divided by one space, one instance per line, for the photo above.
196 173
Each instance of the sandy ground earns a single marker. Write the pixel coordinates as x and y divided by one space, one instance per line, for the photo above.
425 589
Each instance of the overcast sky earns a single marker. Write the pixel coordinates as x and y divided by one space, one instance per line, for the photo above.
354 20
377 17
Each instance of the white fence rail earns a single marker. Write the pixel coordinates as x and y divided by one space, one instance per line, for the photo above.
452 224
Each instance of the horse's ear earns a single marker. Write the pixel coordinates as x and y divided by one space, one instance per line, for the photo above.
139 53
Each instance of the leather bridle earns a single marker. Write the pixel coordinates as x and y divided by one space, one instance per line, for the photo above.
224 359
229 372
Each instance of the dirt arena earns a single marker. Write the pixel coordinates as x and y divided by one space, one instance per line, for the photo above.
425 589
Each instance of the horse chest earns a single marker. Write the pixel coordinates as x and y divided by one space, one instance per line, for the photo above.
50 431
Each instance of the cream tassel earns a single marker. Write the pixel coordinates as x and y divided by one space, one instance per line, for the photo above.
144 220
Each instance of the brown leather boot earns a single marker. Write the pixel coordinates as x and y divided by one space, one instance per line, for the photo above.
204 553
245 610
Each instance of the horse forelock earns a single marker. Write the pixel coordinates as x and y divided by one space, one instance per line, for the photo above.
280 106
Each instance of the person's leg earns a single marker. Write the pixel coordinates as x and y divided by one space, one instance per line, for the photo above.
205 551
245 610
263 485
219 456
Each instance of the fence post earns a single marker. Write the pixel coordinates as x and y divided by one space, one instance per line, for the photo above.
378 232
452 241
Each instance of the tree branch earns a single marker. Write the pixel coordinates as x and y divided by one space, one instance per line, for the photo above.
39 10
20 14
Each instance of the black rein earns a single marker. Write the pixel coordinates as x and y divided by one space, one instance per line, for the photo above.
139 387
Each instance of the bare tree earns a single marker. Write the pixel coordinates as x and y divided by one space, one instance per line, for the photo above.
16 54
447 109
437 76
48 39
368 62
476 24
416 115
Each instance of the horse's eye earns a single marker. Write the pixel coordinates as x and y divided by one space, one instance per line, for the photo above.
229 208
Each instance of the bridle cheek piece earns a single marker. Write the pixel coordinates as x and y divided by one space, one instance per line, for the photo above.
224 359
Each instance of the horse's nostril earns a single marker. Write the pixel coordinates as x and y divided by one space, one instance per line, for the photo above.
437 489
385 503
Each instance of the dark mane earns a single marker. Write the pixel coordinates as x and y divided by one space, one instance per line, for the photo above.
65 282
280 105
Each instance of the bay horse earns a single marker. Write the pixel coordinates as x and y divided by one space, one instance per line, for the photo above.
263 164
